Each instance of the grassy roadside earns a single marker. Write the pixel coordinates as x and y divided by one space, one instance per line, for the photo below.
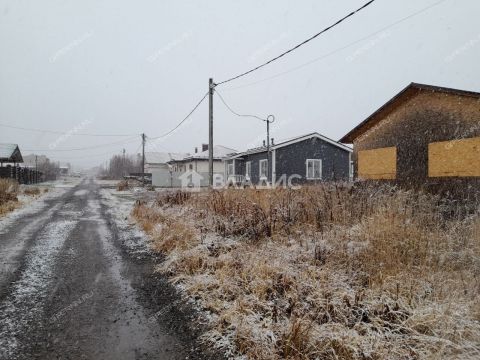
10 190
325 272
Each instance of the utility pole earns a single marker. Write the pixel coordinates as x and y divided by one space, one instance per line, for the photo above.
36 169
270 119
143 159
211 87
123 164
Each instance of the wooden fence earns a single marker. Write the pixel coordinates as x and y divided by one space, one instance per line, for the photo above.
21 174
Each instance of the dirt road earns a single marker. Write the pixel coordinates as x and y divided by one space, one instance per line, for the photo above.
69 289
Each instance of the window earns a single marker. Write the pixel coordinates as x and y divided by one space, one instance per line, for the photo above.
454 158
248 169
377 164
263 168
314 169
230 169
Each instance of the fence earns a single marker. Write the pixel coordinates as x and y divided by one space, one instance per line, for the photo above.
177 179
22 175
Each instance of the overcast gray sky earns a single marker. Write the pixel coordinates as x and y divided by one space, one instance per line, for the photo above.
127 67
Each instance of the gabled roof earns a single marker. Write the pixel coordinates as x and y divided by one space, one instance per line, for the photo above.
291 141
406 94
219 152
10 153
163 157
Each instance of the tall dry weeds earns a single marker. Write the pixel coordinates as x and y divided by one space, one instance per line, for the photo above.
8 195
326 272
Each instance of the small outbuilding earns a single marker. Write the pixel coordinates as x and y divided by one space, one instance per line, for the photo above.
10 154
424 135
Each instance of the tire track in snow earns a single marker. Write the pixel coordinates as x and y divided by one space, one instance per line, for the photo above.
24 305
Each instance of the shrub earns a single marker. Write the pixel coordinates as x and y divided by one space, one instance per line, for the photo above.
8 190
31 191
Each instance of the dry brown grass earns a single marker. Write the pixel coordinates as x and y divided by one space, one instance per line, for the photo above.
327 272
8 195
32 191
167 232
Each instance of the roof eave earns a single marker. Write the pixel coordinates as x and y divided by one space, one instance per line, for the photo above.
413 88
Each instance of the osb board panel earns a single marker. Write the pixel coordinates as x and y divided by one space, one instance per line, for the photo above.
424 119
377 164
456 158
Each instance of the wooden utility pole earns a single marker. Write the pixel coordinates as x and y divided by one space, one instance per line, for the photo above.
270 119
123 164
143 159
211 87
36 169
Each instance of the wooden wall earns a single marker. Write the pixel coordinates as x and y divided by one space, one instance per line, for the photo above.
428 117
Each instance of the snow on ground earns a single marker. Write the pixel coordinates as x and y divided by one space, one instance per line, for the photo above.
119 204
80 192
29 206
25 302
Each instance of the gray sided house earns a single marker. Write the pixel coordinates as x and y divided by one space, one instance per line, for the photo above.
304 159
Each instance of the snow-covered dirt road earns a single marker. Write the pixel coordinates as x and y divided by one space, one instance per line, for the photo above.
70 290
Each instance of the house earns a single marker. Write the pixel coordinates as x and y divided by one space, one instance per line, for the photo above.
190 169
160 160
198 161
64 170
425 134
10 157
307 158
10 154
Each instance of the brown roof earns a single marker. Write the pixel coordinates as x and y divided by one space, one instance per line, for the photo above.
406 94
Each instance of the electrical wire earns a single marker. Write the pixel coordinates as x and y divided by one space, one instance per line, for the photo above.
234 112
181 122
421 11
298 45
125 141
62 132
85 156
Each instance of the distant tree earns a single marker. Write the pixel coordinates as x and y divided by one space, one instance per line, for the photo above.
120 166
50 169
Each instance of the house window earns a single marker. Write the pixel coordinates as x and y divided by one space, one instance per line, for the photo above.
263 168
248 169
377 164
230 170
314 169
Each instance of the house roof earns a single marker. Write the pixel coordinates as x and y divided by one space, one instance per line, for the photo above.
406 94
163 157
10 153
290 141
219 152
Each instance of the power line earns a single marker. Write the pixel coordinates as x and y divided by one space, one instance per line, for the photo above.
234 112
83 157
299 45
181 122
339 49
125 141
70 133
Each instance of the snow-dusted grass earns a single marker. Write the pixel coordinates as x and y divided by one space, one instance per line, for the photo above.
327 272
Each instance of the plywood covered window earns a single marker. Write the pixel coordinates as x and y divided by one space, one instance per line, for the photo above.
377 164
455 158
